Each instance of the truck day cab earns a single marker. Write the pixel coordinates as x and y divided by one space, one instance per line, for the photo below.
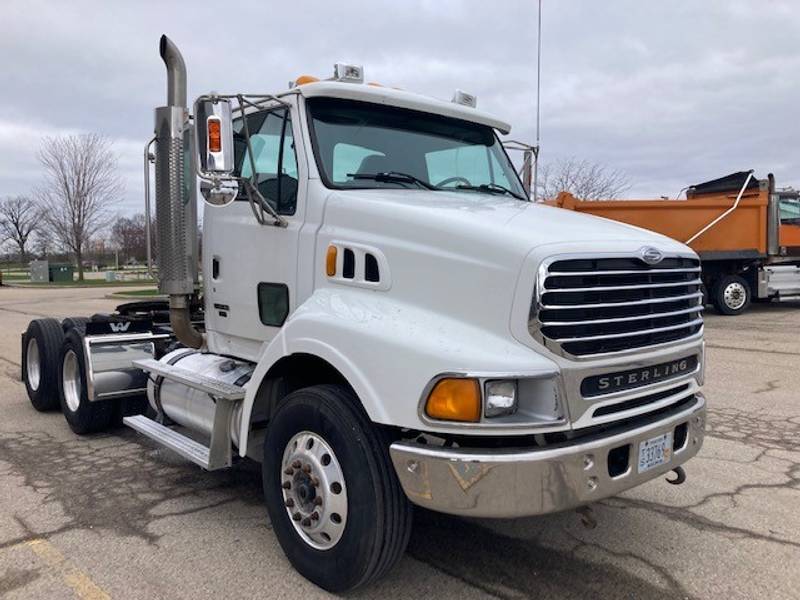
384 320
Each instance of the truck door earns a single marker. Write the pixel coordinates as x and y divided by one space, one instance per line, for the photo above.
249 268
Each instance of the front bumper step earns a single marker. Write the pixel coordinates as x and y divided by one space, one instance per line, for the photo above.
524 482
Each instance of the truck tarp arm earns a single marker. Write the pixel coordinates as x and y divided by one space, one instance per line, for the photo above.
726 213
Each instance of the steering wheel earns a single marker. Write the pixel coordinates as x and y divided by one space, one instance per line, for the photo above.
455 179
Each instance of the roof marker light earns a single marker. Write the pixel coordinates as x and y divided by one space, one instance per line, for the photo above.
465 99
348 73
304 79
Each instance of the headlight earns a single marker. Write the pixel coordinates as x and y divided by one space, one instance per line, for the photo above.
501 397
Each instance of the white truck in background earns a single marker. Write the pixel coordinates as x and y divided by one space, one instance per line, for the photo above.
385 319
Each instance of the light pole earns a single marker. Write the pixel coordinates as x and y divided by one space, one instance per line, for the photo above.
538 96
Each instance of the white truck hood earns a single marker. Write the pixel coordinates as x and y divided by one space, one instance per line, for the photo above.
465 255
490 219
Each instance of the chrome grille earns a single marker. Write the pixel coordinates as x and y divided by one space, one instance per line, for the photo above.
594 306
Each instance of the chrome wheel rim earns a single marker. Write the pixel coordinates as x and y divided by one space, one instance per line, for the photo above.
32 366
314 493
71 380
735 295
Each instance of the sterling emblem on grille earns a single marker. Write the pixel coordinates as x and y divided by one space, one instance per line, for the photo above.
650 255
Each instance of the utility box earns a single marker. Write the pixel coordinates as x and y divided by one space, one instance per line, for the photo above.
61 273
40 271
44 272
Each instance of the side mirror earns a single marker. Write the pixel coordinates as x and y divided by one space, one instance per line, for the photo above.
213 124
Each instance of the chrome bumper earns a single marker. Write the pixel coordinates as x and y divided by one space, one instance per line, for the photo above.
521 482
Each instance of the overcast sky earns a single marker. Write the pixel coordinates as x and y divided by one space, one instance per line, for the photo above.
671 93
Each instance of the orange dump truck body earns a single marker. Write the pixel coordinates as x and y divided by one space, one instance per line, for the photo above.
744 230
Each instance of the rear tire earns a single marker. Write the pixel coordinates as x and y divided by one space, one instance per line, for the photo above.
128 407
82 416
731 295
78 323
41 346
357 501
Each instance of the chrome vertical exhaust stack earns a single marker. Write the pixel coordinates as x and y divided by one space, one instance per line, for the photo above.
176 72
176 206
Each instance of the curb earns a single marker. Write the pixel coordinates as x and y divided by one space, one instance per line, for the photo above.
124 296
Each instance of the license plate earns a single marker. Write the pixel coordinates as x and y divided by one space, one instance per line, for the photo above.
655 451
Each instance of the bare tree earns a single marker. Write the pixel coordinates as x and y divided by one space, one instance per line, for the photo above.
19 219
80 183
584 179
129 235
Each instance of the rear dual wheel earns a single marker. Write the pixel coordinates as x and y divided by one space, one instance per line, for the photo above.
82 415
332 495
41 347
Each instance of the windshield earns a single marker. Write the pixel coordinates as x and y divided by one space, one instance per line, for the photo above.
356 141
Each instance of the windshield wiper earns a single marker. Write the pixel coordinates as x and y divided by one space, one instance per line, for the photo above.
491 188
393 177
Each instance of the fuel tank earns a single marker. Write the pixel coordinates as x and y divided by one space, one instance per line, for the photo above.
192 408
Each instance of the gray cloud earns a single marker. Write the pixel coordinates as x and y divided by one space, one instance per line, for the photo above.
671 93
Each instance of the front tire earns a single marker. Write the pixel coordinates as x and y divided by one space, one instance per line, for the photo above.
41 346
82 415
731 295
332 495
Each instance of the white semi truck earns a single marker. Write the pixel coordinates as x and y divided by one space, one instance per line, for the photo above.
384 320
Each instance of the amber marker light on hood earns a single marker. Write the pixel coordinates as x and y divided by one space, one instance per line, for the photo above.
214 135
330 261
455 400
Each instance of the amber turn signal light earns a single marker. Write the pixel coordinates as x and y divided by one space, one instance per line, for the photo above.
455 400
330 261
214 135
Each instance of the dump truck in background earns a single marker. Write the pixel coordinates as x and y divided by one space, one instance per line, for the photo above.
746 232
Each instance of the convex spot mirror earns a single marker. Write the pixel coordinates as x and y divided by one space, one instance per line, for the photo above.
219 192
213 124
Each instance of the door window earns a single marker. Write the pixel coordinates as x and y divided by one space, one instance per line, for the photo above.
790 211
273 157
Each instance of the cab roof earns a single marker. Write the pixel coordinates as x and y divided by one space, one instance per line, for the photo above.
401 99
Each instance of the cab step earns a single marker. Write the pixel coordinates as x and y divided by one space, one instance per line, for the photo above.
169 438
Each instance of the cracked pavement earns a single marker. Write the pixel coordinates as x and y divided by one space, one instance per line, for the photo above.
113 515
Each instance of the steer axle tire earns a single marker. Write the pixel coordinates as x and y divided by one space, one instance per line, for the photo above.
82 415
731 295
331 491
41 345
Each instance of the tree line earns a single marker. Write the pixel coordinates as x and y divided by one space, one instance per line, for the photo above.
71 211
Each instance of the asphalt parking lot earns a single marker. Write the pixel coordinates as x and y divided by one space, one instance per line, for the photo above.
114 516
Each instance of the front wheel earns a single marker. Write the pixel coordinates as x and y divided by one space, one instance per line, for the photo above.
731 295
332 495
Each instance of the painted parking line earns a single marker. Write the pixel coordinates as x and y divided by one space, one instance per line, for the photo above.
81 584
